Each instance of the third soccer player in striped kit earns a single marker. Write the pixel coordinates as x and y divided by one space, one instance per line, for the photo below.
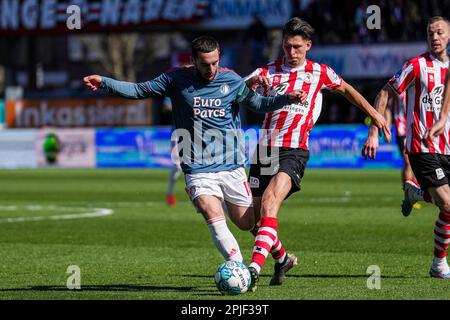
428 131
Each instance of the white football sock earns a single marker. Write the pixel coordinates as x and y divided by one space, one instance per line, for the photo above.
440 262
224 239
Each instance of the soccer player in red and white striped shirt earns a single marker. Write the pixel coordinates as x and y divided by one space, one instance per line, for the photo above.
396 108
428 130
288 133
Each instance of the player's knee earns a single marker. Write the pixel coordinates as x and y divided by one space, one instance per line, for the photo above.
445 206
247 224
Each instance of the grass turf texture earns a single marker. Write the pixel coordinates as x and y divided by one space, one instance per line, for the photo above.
341 223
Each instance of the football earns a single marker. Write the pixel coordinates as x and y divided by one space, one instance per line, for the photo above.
232 278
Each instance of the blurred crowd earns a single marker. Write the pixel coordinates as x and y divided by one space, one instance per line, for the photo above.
345 21
141 55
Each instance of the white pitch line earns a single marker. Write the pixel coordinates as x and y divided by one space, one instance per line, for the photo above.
99 212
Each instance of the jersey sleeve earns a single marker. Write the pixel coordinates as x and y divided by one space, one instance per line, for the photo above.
157 87
403 78
160 86
330 79
259 103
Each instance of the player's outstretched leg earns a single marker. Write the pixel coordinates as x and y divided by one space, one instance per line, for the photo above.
283 261
175 172
439 267
265 238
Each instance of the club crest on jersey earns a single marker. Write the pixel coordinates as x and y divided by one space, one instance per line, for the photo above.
224 89
309 77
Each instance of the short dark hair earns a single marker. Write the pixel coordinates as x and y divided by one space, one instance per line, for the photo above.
298 27
436 19
204 44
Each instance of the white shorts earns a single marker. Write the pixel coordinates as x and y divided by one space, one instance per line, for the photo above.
231 186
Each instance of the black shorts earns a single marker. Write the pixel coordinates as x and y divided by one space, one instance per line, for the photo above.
289 160
430 169
401 143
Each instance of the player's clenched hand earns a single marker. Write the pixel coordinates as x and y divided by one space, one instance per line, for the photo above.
371 145
92 82
259 80
379 121
298 96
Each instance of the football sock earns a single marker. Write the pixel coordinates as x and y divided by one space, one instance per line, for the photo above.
173 177
277 251
224 239
442 235
265 238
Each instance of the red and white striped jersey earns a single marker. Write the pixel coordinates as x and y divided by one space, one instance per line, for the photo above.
290 126
423 79
398 107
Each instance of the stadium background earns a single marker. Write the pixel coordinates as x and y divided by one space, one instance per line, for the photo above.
342 222
42 63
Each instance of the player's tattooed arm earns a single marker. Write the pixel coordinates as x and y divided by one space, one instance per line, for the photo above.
261 104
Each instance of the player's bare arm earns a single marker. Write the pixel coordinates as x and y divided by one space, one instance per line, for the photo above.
371 145
438 128
260 80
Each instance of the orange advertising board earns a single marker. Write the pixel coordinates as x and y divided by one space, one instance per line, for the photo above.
75 113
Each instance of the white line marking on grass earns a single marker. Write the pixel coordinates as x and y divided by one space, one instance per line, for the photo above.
98 212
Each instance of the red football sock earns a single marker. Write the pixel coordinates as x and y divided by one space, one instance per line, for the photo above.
264 240
442 235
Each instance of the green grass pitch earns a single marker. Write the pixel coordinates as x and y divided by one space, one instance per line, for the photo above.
341 223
